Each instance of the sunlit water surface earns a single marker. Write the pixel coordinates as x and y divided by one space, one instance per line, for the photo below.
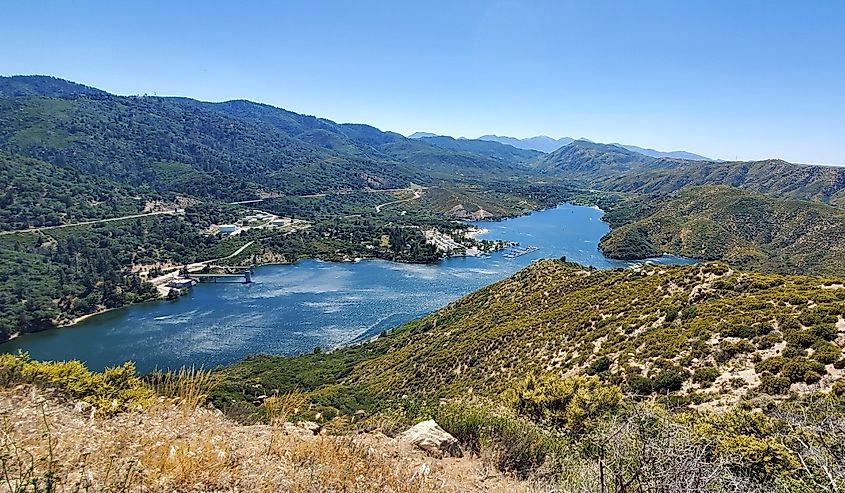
289 309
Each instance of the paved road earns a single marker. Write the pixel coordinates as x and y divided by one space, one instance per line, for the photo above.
96 221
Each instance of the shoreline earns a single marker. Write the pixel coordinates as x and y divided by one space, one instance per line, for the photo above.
82 318
474 231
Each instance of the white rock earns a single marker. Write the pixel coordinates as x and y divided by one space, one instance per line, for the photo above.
311 426
421 472
81 406
432 439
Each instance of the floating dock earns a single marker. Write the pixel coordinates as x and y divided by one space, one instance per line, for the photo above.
518 252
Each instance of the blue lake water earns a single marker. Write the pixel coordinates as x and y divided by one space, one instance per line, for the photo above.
289 309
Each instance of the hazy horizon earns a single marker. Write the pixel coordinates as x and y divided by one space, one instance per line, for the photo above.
724 80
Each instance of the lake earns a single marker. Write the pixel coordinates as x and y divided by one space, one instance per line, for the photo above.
289 309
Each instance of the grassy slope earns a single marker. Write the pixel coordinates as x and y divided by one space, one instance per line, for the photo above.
652 326
746 229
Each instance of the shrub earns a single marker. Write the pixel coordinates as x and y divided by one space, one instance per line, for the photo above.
803 370
518 445
748 439
670 380
773 385
824 331
790 352
705 376
770 365
801 338
114 389
838 389
688 312
767 341
826 353
573 404
640 385
730 349
599 365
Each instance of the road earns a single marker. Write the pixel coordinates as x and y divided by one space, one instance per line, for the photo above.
161 281
415 189
417 194
364 190
96 221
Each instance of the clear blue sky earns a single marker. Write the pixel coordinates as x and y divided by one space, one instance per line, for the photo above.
746 79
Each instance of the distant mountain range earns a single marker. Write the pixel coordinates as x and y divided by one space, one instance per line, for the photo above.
540 143
547 144
676 154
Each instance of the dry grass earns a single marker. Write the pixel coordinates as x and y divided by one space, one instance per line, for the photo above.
47 446
191 386
280 407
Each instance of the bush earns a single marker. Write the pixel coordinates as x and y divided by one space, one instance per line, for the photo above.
801 338
519 445
803 370
705 376
826 353
670 380
599 365
824 331
640 385
767 341
114 389
728 349
770 365
790 352
773 385
573 404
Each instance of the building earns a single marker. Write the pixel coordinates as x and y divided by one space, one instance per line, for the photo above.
227 229
281 221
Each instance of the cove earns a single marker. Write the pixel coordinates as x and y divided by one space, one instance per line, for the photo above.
289 309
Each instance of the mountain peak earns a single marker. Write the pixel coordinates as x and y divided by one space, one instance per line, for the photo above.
43 85
540 143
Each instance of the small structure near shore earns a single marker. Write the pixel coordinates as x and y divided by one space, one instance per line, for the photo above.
180 283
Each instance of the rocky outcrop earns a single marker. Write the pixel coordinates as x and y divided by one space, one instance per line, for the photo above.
461 212
432 439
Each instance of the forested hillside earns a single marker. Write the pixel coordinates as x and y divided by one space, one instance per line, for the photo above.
746 229
614 168
37 193
223 150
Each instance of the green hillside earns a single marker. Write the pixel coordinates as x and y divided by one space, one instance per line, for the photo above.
704 333
36 193
223 150
614 168
746 229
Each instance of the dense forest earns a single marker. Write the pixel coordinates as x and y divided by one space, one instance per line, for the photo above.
49 279
35 193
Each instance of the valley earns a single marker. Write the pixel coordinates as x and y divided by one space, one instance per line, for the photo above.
553 304
293 308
